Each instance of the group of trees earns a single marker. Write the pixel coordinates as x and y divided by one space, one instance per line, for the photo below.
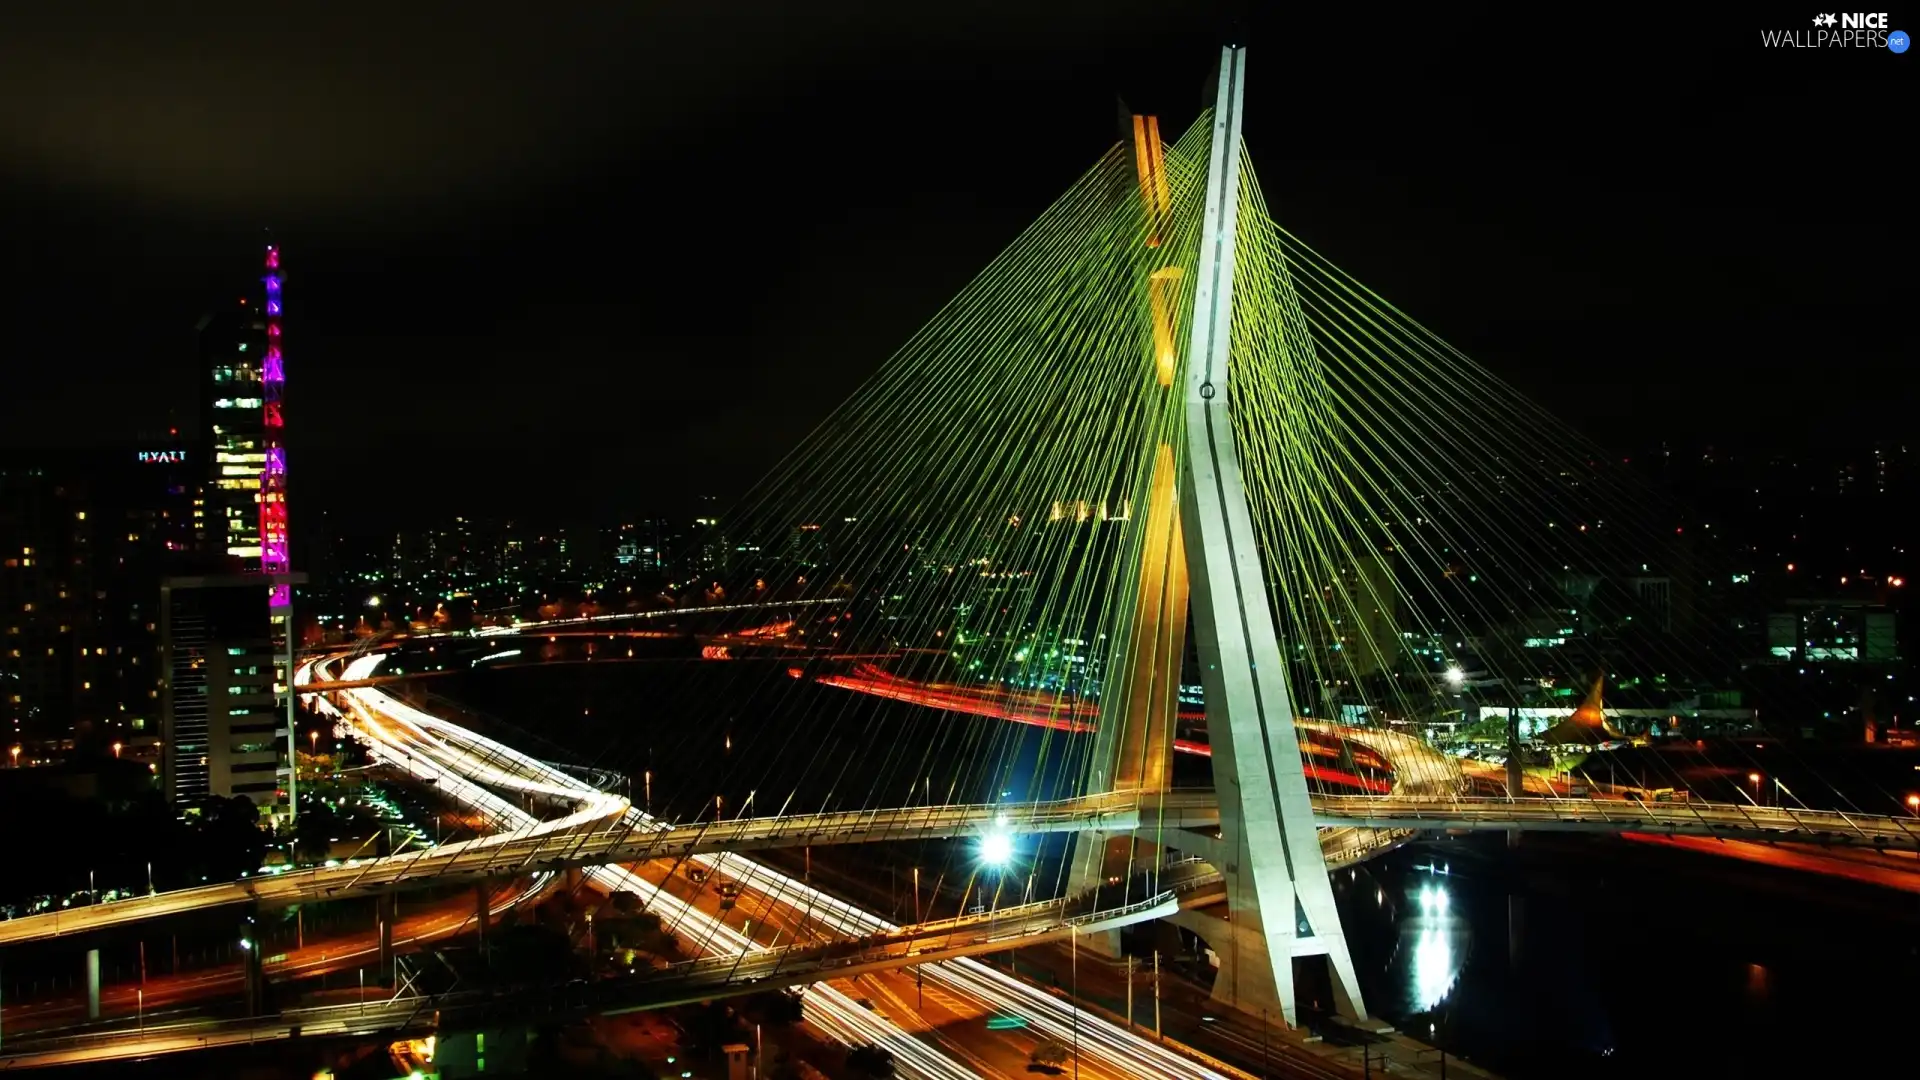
108 840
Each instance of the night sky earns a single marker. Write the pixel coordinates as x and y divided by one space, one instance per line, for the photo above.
590 259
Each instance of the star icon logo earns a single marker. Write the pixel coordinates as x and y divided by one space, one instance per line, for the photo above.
1824 20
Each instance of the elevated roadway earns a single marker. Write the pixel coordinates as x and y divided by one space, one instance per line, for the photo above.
611 835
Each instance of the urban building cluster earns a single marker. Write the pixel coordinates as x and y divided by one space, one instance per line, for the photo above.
147 597
146 588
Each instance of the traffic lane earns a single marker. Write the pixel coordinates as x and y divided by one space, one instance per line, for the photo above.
957 1025
1905 878
960 1026
1188 1013
163 992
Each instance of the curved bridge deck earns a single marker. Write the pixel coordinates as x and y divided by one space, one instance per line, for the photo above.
620 840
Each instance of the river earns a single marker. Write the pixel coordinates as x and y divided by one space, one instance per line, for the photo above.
1566 956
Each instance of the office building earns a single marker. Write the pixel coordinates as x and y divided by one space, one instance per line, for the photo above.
227 633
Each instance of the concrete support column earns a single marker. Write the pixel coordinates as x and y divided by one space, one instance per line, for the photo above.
384 913
93 984
482 915
1516 774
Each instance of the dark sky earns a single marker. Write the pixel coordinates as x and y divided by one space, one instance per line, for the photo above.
599 257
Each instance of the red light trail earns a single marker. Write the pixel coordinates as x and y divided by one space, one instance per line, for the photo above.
1038 710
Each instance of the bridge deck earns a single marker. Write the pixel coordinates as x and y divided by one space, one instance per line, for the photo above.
621 841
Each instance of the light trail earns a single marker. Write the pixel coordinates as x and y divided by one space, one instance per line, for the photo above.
1047 711
400 735
1125 1052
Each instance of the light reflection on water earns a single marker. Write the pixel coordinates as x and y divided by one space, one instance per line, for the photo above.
1434 935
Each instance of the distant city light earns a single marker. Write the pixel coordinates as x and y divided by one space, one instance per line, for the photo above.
373 601
1455 677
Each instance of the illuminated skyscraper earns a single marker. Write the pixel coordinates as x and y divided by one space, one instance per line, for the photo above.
229 660
233 348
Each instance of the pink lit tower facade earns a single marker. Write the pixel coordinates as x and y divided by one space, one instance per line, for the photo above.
228 716
275 563
273 479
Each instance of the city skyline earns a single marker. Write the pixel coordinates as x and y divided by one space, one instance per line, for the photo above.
783 526
1631 251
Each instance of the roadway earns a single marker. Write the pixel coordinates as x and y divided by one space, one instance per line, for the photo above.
130 1038
964 991
435 751
162 997
604 830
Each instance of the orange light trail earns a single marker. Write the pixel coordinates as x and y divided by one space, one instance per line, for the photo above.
1037 710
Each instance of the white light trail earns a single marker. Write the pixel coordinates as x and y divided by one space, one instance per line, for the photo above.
398 735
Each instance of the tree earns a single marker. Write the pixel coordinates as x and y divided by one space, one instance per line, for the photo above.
778 1007
710 1026
531 954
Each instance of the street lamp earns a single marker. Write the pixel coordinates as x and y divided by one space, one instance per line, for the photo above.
16 755
996 849
1754 779
1913 804
116 749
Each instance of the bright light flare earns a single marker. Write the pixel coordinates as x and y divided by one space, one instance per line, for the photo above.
996 849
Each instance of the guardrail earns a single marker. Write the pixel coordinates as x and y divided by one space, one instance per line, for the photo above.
1617 815
624 839
219 1031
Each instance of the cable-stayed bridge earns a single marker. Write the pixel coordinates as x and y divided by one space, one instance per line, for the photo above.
616 840
1160 433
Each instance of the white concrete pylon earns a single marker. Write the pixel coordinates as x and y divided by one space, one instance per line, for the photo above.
1277 886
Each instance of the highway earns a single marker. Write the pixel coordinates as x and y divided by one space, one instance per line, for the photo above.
963 990
605 830
162 994
1691 818
429 748
602 834
132 1039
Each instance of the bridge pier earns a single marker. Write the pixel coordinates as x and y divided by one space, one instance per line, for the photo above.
1244 983
385 911
1516 774
93 984
253 972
